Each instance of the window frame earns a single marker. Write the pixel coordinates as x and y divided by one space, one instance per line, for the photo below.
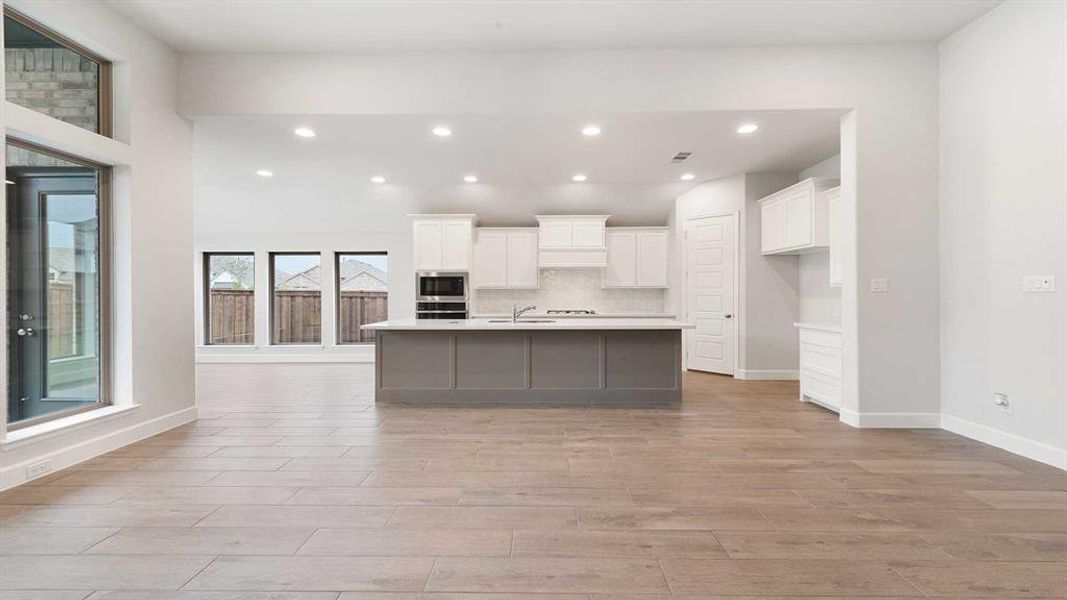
104 258
206 271
337 293
104 92
270 301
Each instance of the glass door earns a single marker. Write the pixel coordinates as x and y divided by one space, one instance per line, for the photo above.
55 341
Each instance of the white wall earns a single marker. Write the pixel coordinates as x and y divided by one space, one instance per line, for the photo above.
152 230
819 303
1004 216
892 135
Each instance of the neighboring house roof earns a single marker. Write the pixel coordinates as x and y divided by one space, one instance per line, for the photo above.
356 275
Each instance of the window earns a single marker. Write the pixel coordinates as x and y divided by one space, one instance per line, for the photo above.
362 294
50 74
57 245
296 298
230 307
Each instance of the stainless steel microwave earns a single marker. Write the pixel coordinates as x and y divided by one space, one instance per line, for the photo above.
435 286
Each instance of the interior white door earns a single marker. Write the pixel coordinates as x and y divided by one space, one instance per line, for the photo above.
711 262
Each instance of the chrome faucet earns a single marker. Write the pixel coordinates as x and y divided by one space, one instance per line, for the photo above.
517 312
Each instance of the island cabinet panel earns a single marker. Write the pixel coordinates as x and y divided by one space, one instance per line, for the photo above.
565 359
640 360
491 360
584 366
421 360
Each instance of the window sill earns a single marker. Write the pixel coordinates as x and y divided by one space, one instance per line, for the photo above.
55 427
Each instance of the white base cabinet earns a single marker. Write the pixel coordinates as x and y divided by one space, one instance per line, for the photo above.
638 257
796 220
505 258
820 365
442 242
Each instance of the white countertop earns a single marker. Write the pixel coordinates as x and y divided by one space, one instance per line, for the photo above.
524 323
544 315
831 327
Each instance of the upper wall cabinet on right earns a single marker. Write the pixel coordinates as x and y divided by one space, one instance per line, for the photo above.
796 220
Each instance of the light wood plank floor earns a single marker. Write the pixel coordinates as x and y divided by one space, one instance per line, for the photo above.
293 485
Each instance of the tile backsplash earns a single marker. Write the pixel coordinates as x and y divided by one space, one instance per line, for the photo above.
573 289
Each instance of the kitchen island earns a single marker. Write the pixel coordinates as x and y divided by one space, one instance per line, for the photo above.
597 361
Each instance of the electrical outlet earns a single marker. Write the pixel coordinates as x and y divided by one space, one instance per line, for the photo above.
1001 401
1039 284
36 470
879 284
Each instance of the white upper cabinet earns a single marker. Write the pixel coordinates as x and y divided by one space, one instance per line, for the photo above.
637 257
622 259
505 258
796 220
572 240
833 202
442 242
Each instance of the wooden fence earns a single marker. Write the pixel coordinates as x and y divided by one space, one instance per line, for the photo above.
297 316
232 317
61 320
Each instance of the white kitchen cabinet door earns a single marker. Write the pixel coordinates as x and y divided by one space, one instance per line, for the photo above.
653 258
587 234
428 245
490 269
772 227
521 261
796 220
455 245
555 234
833 201
622 259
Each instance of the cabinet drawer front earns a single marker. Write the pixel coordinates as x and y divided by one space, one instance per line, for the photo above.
830 339
826 361
824 390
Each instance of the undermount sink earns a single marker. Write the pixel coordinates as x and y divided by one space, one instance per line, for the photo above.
522 321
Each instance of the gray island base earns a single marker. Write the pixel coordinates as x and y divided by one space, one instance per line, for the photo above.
529 366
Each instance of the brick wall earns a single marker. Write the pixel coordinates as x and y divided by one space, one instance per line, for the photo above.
55 81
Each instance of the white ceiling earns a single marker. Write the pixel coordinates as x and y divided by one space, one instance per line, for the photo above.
524 163
362 25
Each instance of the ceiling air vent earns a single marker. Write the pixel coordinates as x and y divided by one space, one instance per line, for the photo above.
680 157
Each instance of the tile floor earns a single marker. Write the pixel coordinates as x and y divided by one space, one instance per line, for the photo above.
293 485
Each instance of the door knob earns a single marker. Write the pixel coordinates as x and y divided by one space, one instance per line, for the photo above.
729 316
25 331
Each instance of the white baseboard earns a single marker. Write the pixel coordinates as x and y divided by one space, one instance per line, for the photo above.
13 475
891 420
767 374
1041 452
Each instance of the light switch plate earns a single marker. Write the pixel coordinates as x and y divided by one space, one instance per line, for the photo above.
879 284
1039 284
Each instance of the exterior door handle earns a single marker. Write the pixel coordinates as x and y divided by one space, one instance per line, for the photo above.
25 332
729 316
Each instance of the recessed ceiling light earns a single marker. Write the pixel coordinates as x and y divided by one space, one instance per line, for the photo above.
747 128
591 130
470 178
688 177
441 131
304 132
377 179
579 178
265 173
